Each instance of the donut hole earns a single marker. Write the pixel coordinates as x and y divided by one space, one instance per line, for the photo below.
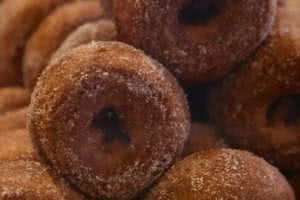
285 110
199 12
108 123
197 19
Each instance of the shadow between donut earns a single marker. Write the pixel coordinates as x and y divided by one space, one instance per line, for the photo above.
285 110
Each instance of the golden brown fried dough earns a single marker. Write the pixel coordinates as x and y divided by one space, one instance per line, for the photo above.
198 40
13 120
13 98
102 30
222 174
18 19
30 180
16 144
52 32
257 107
107 101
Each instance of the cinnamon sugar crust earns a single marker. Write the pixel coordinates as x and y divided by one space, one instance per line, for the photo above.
198 41
102 30
52 32
222 174
29 180
257 106
109 118
18 19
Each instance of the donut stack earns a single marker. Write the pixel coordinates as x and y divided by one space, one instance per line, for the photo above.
153 100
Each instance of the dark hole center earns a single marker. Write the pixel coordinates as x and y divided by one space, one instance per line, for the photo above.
285 110
199 12
109 123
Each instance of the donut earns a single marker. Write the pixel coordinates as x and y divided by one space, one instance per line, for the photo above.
257 107
114 104
18 19
203 137
222 174
13 120
102 30
294 180
52 32
13 98
15 145
29 180
199 41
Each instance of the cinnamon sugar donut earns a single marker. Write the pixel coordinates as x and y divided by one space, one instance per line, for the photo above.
13 120
203 137
197 40
15 145
13 98
102 30
52 32
123 119
257 107
18 19
222 174
30 180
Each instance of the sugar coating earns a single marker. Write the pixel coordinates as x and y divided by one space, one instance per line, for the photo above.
18 19
201 52
102 30
151 105
203 137
13 98
52 32
223 174
240 104
28 180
